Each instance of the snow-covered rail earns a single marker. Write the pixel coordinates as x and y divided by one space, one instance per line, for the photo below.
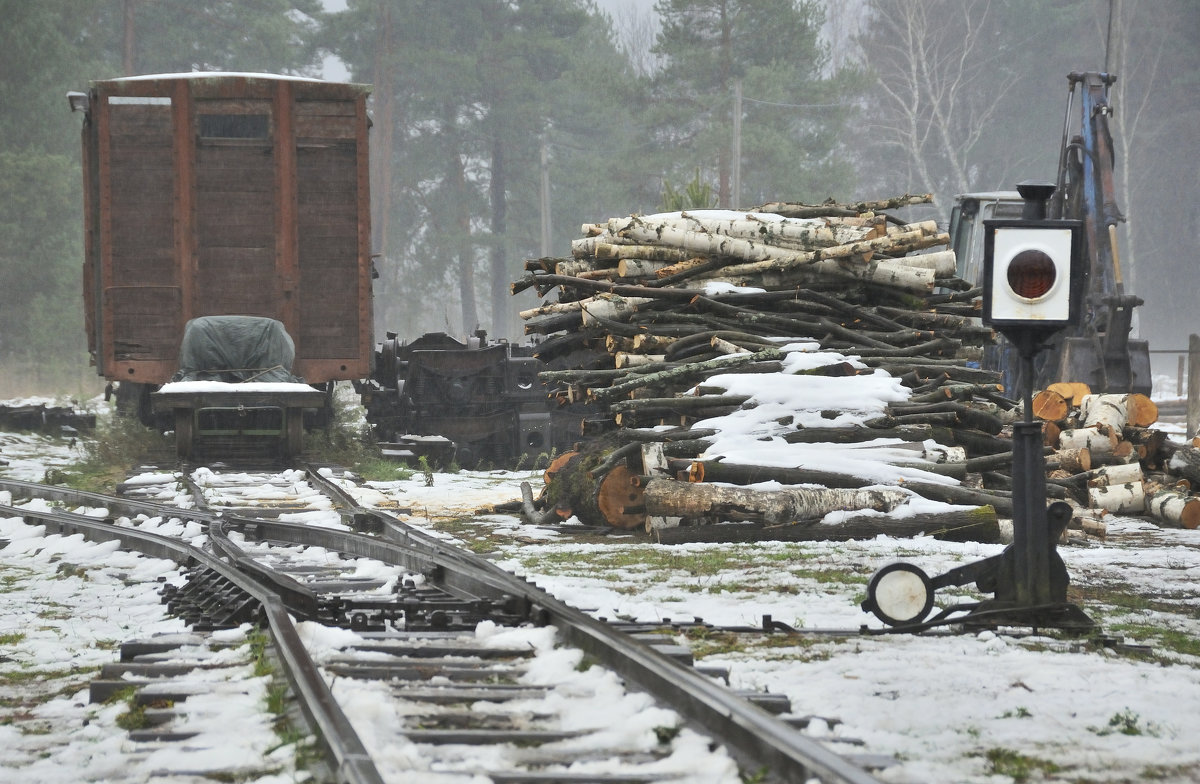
425 613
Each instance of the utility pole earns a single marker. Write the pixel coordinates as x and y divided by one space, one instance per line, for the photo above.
736 186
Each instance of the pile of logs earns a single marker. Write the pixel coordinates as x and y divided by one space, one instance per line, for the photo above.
1112 461
643 323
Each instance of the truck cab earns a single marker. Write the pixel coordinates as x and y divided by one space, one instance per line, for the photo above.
966 226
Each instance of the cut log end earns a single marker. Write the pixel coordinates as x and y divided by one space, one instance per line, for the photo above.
619 499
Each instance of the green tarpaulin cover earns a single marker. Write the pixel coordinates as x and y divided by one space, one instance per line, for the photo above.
234 349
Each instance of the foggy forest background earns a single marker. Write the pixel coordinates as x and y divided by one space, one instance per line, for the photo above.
500 126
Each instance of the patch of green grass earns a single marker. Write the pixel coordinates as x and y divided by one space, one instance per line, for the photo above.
67 683
118 444
1019 713
55 612
277 698
264 667
306 751
18 677
468 531
134 717
706 642
39 728
67 570
13 578
1173 640
1115 600
258 642
11 638
381 469
832 576
1163 772
1019 767
665 735
1126 722
698 563
754 777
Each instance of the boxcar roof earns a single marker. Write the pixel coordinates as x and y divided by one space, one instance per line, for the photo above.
248 75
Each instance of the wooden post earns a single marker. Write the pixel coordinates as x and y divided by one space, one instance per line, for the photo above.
1193 404
1179 376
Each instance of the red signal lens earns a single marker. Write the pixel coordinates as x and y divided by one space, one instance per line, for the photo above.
1031 274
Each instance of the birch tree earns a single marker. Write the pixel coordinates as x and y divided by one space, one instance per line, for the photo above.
967 94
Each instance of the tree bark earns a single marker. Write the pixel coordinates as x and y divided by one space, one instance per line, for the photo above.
1105 413
797 210
1185 461
668 498
967 525
1119 499
1176 508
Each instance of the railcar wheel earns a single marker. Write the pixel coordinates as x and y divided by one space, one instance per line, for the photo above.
293 442
184 433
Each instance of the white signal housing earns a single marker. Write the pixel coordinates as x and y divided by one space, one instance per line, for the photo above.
1032 273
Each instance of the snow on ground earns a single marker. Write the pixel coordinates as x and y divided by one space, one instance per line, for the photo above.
67 606
26 456
970 707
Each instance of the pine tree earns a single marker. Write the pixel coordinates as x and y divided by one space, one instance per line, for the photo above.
793 109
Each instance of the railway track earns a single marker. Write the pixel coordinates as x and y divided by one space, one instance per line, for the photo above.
484 673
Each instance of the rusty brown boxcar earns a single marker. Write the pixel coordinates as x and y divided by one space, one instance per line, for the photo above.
226 194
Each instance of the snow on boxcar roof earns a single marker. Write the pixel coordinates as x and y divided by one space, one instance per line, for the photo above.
216 74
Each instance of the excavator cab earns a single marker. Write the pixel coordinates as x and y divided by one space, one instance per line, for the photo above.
1099 351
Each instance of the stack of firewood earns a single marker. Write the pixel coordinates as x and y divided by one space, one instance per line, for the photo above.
1112 461
648 319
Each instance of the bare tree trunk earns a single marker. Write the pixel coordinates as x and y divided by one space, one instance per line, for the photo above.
466 251
129 41
723 184
381 157
500 277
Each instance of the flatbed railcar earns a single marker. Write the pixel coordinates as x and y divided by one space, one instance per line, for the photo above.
214 194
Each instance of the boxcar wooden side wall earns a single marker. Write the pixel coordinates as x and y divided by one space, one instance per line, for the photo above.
222 195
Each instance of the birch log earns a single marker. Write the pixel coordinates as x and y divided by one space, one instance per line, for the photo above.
639 267
1128 498
1089 438
1176 508
1106 413
700 500
800 234
1120 474
610 306
609 250
832 208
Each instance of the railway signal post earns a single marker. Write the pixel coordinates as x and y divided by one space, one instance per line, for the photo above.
1033 288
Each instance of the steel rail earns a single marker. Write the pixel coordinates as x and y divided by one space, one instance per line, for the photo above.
325 715
754 737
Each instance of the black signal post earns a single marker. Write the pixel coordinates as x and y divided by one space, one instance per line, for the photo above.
1033 276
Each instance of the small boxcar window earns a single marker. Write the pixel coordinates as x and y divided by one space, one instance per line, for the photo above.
234 126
